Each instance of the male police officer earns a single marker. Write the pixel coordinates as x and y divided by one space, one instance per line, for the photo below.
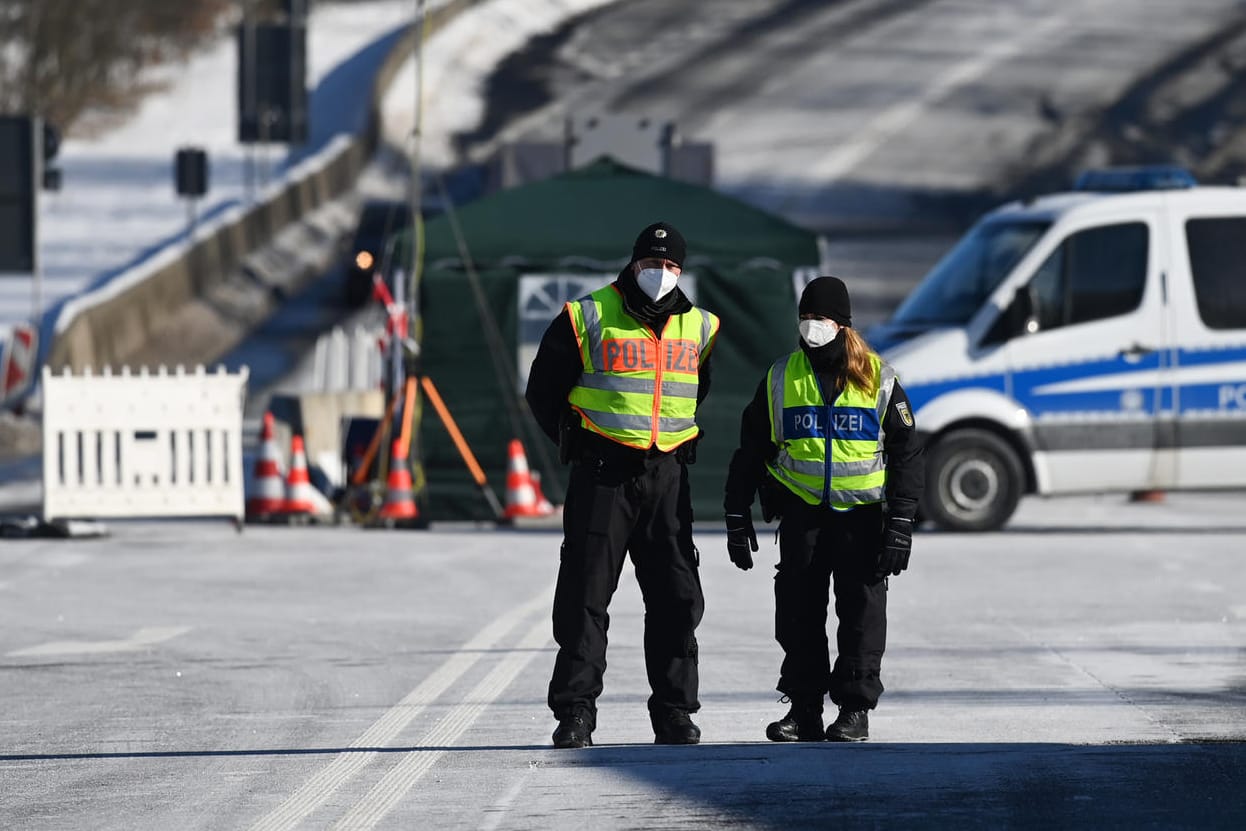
616 382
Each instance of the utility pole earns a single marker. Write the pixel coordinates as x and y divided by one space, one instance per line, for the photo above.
33 21
249 95
417 220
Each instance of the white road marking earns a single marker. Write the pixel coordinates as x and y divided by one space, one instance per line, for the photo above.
317 790
900 116
142 639
386 793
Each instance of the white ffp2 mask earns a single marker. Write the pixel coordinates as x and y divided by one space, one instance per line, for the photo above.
656 282
818 332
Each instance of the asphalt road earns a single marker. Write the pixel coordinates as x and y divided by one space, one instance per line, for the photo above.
1082 669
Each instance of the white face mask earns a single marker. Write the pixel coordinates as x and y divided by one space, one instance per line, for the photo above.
818 332
656 282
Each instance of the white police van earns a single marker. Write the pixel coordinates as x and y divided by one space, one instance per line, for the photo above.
1080 342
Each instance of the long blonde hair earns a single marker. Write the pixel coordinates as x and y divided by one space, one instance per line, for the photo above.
858 367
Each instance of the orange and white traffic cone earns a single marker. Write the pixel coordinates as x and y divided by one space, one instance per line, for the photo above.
521 490
398 510
268 495
302 497
543 506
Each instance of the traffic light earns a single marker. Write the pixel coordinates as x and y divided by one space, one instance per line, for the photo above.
18 194
191 171
51 141
272 83
51 146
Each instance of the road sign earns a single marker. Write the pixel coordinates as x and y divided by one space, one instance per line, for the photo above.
17 359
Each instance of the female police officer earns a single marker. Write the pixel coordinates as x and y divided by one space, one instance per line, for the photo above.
616 382
828 441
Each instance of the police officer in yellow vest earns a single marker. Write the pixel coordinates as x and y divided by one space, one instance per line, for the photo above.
829 444
616 383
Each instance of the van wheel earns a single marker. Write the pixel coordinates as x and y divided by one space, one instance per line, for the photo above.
973 481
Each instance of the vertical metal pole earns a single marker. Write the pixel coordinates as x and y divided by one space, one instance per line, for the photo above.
249 173
262 149
295 95
249 93
33 20
417 127
397 337
36 147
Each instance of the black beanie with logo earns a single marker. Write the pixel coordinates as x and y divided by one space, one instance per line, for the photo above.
827 297
662 241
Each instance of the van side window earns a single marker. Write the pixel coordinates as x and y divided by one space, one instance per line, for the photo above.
1218 264
1094 274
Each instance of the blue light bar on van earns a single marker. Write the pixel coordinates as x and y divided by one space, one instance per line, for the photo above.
1125 179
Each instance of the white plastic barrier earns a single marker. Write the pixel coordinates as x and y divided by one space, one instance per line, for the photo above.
143 445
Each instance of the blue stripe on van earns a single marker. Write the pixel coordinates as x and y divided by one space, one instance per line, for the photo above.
1220 393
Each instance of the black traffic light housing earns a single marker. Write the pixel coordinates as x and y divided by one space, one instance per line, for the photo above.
51 146
51 141
191 171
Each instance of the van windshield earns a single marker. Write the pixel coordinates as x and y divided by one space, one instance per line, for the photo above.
961 282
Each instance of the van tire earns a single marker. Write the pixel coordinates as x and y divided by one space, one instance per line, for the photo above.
974 481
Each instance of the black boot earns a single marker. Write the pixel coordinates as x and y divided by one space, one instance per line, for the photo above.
849 726
674 727
573 731
803 722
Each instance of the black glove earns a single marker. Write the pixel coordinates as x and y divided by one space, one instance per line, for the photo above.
740 539
897 542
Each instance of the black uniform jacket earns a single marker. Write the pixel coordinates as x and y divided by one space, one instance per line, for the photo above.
557 367
902 451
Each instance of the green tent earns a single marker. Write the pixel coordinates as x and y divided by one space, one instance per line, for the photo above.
499 269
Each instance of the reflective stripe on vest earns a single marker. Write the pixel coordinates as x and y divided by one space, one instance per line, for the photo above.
636 388
828 454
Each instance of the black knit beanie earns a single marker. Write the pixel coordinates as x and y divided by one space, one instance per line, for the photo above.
827 297
662 241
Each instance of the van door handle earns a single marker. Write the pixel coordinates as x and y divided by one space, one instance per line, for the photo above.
1136 351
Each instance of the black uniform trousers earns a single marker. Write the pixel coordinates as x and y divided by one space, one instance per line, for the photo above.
642 507
817 544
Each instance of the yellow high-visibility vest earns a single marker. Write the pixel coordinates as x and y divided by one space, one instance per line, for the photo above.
637 388
828 454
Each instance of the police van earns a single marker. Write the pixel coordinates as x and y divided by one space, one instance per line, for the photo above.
1090 341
